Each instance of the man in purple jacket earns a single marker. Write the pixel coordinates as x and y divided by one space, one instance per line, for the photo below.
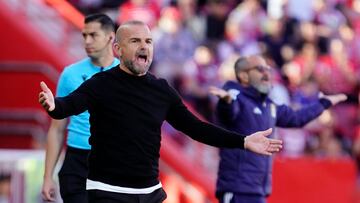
244 107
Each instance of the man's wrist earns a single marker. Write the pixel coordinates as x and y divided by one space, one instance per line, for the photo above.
228 99
245 142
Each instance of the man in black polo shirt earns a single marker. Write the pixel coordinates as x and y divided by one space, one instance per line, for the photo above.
127 107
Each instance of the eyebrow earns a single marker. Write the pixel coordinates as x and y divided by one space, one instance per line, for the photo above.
138 38
88 33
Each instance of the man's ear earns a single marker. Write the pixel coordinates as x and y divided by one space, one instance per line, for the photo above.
112 37
244 77
118 49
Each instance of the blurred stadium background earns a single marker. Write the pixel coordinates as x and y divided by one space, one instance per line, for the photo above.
312 45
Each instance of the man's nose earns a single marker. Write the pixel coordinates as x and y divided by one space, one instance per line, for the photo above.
144 45
87 40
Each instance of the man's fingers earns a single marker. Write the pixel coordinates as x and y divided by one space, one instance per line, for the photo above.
44 87
272 150
213 88
266 132
275 141
48 196
342 97
214 91
42 98
267 153
45 196
276 145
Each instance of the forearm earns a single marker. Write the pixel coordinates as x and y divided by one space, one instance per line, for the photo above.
54 145
68 106
213 135
184 121
289 118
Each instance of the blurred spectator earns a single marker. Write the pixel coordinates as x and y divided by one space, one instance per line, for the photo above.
174 44
301 10
87 6
327 17
199 74
244 26
146 11
217 11
336 68
5 187
274 40
279 94
193 18
351 42
300 69
112 3
329 145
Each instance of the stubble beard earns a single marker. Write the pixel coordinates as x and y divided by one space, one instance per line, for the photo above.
136 70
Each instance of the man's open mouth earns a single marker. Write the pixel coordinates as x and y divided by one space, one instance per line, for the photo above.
142 58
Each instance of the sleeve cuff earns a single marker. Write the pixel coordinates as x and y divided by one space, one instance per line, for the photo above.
325 102
54 113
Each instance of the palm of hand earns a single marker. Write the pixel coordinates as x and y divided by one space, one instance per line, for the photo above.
259 144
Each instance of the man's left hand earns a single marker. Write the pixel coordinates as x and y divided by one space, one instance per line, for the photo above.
259 143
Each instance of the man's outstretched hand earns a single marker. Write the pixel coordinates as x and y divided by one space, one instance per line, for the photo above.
222 94
46 98
259 143
335 98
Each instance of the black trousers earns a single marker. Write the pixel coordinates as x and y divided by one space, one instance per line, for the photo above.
72 176
99 196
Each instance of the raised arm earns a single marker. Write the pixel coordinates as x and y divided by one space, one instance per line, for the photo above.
287 117
63 107
227 108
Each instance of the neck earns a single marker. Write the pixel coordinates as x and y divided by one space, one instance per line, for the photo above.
103 61
127 70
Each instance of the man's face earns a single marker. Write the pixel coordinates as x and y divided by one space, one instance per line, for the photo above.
135 48
96 40
259 75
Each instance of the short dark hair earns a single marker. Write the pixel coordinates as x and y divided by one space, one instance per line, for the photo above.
104 20
240 64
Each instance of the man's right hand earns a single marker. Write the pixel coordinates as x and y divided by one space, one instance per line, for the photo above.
46 98
48 190
222 94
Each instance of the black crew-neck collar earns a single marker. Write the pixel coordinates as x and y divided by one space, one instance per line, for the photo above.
128 75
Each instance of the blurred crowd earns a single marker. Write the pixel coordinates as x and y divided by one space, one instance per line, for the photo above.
313 46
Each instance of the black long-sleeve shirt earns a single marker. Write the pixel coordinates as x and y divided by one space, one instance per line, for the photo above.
126 114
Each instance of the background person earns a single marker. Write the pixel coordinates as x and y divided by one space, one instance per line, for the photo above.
244 107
